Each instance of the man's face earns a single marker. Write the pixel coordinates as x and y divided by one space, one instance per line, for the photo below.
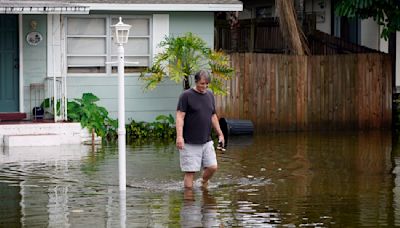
202 85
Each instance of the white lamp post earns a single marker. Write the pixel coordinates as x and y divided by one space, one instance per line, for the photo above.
121 35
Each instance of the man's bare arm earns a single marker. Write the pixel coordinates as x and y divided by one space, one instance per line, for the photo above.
215 124
180 116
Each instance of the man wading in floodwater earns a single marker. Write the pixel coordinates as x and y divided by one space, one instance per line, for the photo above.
195 116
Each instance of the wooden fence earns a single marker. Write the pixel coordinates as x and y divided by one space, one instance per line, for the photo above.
300 93
264 36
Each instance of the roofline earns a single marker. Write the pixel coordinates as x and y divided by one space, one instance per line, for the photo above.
45 10
164 7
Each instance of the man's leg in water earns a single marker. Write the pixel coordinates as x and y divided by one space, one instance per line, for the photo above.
207 174
188 179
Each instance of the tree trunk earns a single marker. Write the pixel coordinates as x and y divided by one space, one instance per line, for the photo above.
290 27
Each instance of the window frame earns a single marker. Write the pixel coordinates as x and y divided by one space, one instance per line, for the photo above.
108 36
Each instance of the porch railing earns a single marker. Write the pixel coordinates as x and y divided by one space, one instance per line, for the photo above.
55 98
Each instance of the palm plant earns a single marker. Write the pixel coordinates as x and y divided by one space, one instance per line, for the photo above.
184 56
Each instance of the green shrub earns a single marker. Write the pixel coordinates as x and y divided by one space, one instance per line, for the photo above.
162 128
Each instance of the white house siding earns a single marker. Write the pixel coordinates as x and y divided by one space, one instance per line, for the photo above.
370 33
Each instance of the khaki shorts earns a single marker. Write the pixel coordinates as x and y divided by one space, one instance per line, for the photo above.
193 157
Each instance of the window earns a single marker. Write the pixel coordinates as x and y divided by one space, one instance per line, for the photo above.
89 44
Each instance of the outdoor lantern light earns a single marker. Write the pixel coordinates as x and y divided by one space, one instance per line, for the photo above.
121 32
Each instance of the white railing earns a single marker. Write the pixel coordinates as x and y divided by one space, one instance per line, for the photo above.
56 98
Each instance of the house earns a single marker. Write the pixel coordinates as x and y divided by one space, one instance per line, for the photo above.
53 50
59 49
360 35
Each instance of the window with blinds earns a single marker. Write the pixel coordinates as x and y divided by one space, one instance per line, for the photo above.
89 44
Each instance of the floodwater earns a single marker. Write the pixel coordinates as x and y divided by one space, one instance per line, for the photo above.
345 179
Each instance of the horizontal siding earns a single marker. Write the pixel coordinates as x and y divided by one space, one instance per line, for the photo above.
200 23
167 91
140 105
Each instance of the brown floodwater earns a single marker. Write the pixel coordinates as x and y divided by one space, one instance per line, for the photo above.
330 179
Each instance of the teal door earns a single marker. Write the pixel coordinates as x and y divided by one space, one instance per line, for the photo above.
9 60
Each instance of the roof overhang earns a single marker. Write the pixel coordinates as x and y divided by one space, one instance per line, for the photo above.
57 7
165 7
41 7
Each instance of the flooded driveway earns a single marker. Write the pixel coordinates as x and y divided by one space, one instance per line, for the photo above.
346 179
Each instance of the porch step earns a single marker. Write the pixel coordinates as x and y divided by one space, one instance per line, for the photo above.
40 134
32 140
12 116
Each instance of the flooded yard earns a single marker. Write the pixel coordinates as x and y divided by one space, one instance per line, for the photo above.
345 179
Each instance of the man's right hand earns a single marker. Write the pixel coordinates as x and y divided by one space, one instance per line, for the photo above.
180 142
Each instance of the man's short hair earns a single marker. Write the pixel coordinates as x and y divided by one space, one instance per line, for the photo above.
202 74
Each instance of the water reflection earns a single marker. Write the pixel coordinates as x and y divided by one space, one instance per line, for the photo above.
346 179
199 213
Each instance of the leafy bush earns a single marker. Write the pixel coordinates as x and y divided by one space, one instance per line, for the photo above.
92 116
162 128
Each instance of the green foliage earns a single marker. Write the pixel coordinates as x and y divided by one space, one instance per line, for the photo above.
92 116
48 103
162 128
384 12
184 56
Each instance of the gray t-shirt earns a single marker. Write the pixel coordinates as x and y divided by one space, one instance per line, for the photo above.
198 109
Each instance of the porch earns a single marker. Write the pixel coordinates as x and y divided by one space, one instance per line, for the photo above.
40 133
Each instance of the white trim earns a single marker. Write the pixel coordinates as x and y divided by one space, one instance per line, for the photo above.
160 30
165 7
50 51
45 10
63 64
53 45
21 64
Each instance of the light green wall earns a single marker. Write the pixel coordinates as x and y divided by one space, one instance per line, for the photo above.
34 60
139 105
200 23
